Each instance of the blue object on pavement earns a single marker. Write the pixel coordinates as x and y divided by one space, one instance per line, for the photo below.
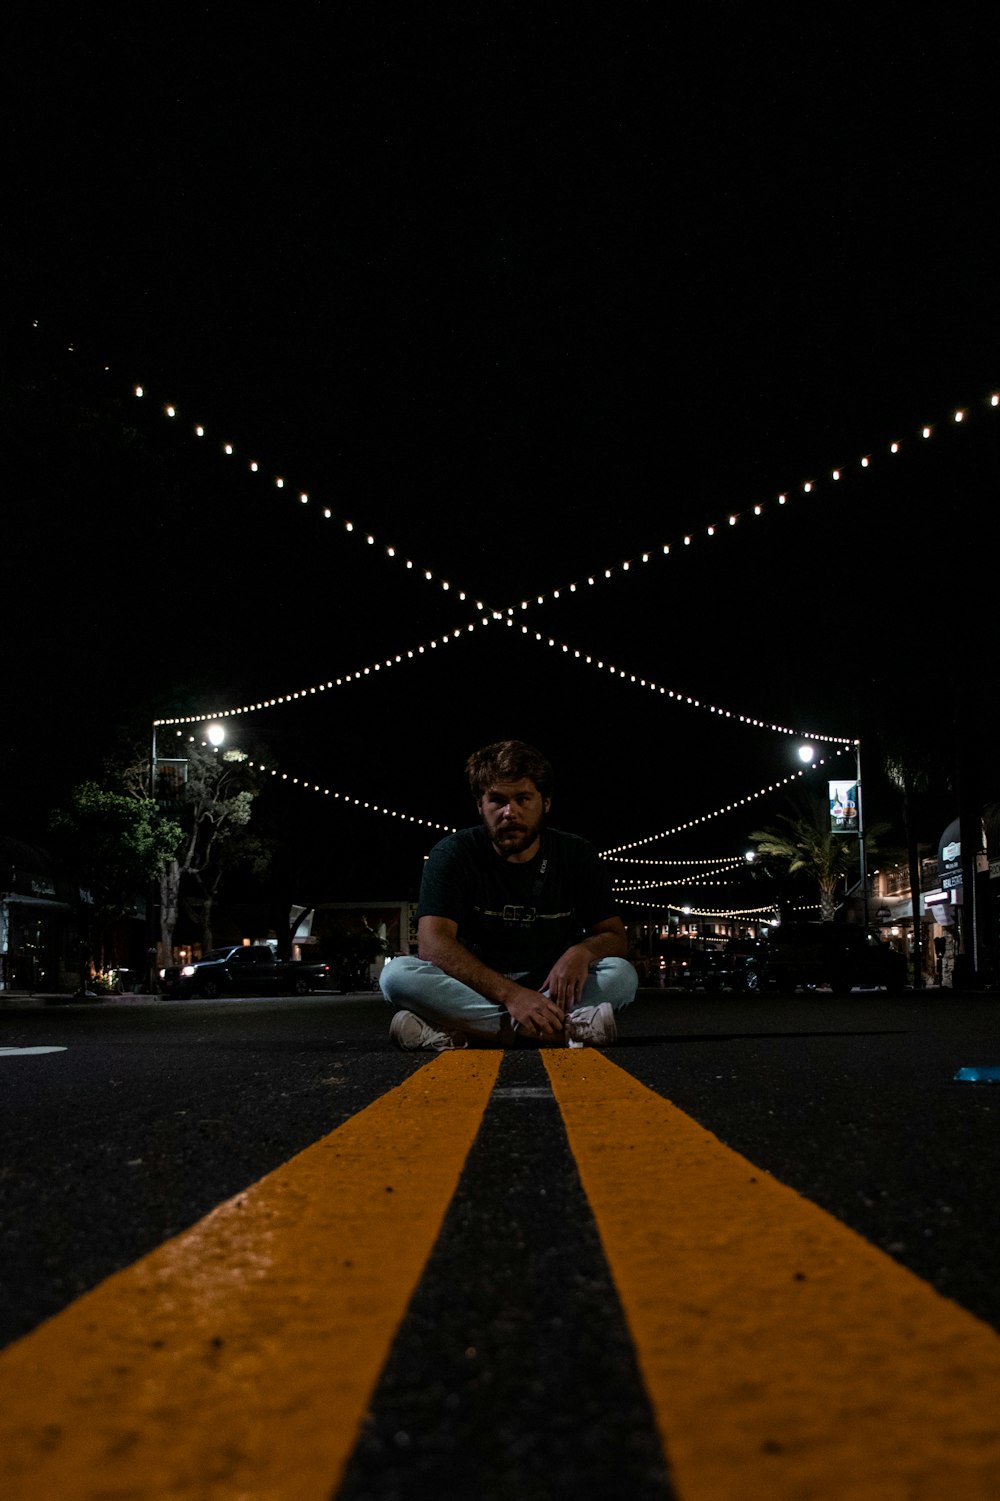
984 1073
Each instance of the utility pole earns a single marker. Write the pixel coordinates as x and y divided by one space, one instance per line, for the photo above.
861 837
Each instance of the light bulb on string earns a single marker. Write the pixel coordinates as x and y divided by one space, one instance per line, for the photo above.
959 416
708 817
620 674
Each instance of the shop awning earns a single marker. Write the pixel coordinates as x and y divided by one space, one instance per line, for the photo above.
17 899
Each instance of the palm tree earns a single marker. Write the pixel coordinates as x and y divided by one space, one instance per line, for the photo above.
807 846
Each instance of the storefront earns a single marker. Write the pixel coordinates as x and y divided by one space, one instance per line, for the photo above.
39 936
961 904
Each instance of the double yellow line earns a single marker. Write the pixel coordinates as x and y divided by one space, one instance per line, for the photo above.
784 1356
237 1359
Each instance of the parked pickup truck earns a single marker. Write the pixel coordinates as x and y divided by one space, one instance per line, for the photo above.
245 970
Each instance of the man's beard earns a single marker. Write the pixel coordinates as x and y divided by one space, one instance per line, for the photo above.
513 838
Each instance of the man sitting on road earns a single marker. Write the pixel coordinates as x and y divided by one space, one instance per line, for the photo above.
519 940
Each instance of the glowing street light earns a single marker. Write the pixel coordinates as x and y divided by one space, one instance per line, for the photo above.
807 754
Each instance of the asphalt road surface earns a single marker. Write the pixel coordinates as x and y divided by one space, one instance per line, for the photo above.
247 1248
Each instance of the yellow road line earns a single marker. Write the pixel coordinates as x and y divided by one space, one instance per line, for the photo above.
237 1360
784 1356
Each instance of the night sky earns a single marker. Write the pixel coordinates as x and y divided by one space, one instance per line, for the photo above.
525 296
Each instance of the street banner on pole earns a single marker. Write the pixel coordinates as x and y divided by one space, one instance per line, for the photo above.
843 807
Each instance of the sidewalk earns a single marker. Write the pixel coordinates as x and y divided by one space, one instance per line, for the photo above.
19 999
24 1000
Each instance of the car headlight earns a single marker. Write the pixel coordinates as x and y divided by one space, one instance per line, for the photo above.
187 971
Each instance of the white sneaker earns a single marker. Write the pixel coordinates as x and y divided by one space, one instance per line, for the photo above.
591 1026
410 1033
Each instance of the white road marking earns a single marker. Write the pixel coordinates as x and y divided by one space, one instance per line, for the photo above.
9 1052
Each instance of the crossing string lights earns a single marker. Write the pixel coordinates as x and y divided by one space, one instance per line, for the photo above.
490 616
807 487
305 785
508 615
841 743
358 675
612 852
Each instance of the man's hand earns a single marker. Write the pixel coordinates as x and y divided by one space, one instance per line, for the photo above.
567 977
536 1015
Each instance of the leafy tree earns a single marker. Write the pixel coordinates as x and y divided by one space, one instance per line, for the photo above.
116 844
234 847
212 812
217 801
806 846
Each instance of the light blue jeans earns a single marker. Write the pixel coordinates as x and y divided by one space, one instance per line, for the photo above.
416 985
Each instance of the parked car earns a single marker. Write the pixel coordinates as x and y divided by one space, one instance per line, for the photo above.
737 967
743 965
245 970
840 955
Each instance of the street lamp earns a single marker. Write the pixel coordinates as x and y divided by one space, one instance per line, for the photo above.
807 753
861 835
167 777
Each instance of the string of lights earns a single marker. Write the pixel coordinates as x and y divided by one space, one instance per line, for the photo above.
306 785
685 698
303 497
621 674
717 528
686 911
807 487
355 676
344 797
667 885
613 852
693 823
728 862
399 658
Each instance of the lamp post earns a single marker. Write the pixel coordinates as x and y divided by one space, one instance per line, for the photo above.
807 754
861 836
215 734
175 778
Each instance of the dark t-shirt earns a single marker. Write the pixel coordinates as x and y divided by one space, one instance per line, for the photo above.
517 917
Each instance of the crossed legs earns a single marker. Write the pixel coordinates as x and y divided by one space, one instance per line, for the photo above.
446 1004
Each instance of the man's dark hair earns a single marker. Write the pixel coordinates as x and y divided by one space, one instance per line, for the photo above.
507 761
